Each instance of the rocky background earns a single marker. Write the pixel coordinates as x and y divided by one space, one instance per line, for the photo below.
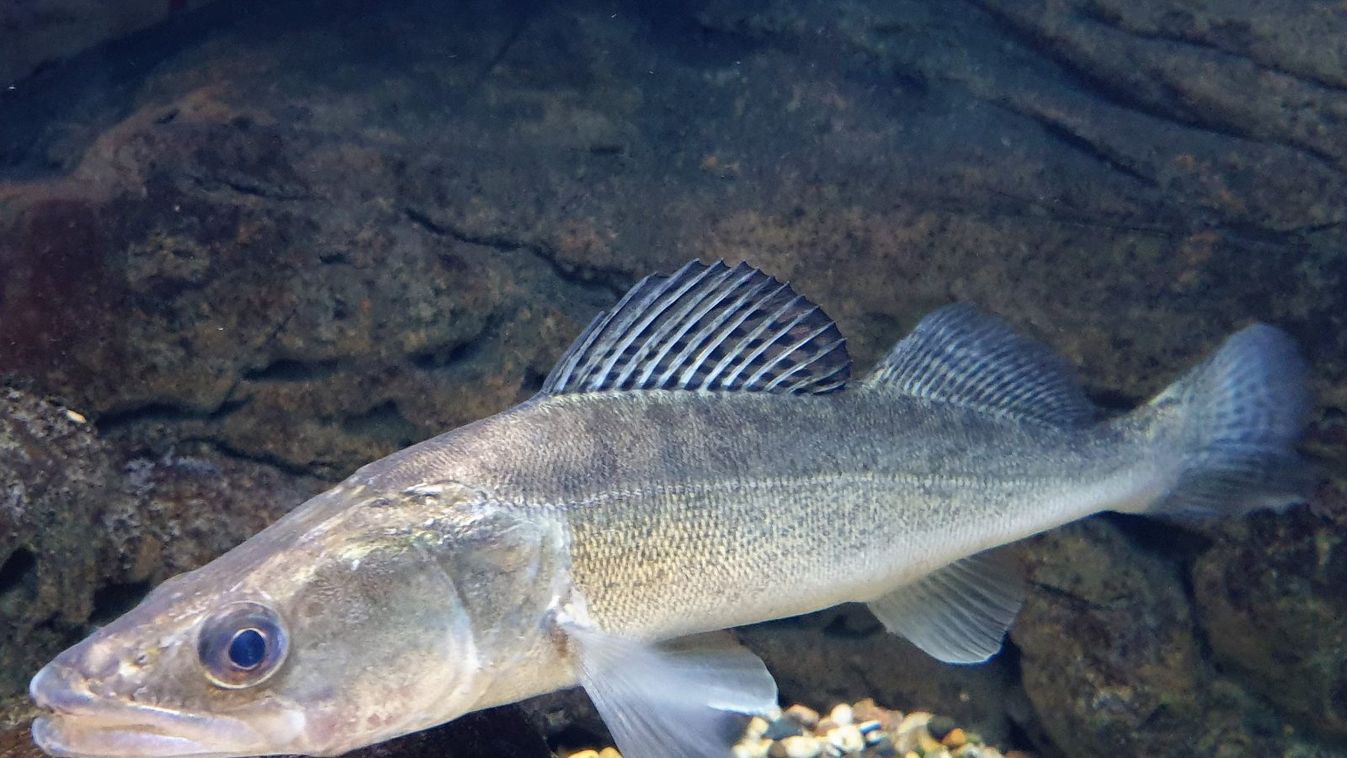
245 251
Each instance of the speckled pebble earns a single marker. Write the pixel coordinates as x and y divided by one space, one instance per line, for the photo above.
847 738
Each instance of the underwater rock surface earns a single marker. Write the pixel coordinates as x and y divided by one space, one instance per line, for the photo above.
298 236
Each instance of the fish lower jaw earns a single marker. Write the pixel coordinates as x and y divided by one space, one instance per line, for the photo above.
67 736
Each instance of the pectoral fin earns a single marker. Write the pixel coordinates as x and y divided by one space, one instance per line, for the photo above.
678 699
960 613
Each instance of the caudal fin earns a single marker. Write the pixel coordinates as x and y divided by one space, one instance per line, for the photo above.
1238 416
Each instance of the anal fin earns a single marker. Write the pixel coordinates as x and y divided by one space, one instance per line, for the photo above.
959 613
672 700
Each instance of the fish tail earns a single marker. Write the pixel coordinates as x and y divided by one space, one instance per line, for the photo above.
1236 418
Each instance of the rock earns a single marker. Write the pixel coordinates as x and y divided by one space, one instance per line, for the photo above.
40 32
85 531
56 479
841 714
1269 598
1110 655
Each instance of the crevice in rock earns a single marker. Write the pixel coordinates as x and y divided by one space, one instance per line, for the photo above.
1109 91
383 422
113 600
1094 14
318 469
288 370
589 277
164 412
19 569
1075 601
525 11
249 188
451 354
1083 145
445 229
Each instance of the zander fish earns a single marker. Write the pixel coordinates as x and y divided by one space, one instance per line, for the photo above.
697 460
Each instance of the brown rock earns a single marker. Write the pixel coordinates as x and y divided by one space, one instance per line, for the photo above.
55 478
1269 598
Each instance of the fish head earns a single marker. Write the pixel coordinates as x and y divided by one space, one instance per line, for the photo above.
327 631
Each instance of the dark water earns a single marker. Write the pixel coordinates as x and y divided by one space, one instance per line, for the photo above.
256 245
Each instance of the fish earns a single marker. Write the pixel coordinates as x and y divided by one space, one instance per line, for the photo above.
699 459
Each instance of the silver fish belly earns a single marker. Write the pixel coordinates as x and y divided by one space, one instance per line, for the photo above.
697 460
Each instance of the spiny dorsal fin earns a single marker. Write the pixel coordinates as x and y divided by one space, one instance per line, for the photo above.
959 355
711 328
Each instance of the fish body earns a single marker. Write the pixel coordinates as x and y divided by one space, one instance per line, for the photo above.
685 514
695 462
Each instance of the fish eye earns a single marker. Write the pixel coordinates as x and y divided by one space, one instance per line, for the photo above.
242 645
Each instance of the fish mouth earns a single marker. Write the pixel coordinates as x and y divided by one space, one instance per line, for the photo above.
78 724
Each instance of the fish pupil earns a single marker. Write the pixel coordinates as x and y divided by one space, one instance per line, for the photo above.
247 649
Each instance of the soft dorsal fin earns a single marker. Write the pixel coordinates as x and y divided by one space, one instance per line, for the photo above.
709 328
959 355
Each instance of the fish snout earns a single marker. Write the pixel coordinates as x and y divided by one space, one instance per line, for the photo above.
58 688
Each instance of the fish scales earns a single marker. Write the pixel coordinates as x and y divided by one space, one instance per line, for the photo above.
687 513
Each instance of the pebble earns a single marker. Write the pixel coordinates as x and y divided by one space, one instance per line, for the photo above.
802 715
928 744
847 739
800 746
882 748
782 728
939 726
907 737
859 730
751 748
757 726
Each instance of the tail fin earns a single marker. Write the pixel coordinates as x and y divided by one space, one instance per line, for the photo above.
1238 417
